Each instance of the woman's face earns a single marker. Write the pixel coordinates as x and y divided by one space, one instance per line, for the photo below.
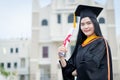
87 26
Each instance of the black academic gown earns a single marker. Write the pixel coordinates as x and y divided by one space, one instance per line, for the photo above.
90 62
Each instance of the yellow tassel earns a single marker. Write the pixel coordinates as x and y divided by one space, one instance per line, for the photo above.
74 21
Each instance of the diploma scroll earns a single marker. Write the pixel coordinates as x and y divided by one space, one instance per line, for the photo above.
67 40
69 35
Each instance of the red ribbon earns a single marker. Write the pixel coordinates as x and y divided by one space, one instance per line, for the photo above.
67 39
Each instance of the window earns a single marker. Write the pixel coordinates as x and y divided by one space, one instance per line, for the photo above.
8 65
44 22
22 62
15 65
2 65
45 52
59 18
16 50
22 77
4 51
70 18
101 20
11 50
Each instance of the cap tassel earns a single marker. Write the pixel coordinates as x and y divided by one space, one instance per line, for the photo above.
74 21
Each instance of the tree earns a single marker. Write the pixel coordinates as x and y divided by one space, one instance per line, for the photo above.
4 72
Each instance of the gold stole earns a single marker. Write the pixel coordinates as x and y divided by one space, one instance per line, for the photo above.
89 39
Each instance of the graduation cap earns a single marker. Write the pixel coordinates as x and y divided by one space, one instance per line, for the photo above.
87 11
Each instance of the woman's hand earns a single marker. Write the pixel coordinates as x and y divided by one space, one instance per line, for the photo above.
74 73
62 51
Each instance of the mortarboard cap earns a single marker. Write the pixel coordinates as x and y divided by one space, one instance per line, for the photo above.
87 11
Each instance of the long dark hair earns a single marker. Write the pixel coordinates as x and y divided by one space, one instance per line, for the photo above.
81 36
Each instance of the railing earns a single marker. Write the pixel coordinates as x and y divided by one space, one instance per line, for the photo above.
48 77
45 77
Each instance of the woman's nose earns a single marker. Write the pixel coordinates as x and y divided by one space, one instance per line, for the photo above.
85 26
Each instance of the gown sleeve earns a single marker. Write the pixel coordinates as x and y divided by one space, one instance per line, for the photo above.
67 71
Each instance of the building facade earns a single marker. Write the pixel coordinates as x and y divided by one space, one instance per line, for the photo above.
14 58
50 25
118 57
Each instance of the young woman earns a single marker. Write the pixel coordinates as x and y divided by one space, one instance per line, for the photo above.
91 58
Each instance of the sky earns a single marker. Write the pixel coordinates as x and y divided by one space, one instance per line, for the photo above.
16 18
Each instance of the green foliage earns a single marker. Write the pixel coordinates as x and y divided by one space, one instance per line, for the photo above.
4 72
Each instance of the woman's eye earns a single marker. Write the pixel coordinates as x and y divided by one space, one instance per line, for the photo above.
89 23
82 24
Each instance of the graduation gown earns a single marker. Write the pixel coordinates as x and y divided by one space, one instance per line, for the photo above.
90 61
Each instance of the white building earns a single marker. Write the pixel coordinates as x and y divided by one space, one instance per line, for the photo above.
37 59
50 25
14 57
118 56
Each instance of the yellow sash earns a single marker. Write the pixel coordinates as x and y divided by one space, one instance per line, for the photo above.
89 39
